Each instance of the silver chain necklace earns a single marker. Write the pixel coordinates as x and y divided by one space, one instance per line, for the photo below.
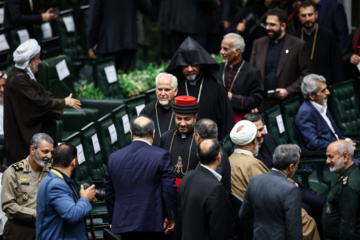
157 118
199 95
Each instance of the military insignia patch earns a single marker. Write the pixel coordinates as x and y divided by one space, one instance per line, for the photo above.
328 208
23 181
25 197
345 180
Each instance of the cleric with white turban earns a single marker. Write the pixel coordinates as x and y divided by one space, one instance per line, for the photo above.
243 133
24 53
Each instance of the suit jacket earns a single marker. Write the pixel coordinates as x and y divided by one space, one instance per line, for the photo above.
18 13
332 16
205 207
112 24
312 129
274 203
60 217
294 62
246 89
140 189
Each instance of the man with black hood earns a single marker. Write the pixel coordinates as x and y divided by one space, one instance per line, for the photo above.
196 72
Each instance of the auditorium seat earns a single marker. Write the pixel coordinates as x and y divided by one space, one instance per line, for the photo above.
122 124
93 152
243 229
106 81
107 141
134 106
344 108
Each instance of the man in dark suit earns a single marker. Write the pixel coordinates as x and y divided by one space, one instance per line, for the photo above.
25 12
140 187
272 196
241 80
315 125
332 16
112 30
282 60
205 208
207 129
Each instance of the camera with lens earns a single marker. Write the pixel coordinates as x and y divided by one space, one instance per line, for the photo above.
99 193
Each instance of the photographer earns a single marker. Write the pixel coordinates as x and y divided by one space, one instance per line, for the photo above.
61 210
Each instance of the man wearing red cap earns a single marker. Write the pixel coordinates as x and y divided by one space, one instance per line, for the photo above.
180 141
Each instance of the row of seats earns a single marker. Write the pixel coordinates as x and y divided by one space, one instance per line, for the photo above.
58 36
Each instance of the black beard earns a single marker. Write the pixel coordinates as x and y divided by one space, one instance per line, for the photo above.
276 35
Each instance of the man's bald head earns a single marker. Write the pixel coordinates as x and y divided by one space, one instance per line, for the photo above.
339 156
208 151
142 127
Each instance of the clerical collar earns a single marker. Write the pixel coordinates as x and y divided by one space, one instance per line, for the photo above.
237 63
238 150
321 108
193 83
184 135
279 40
218 176
311 31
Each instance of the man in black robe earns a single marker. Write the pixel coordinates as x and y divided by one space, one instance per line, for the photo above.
28 107
241 80
180 141
197 72
321 43
160 110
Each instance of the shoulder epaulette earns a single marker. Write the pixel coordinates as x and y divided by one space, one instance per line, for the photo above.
18 166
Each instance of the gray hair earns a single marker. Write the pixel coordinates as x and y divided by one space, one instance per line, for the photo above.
174 82
310 84
206 128
253 117
286 154
38 138
345 146
238 41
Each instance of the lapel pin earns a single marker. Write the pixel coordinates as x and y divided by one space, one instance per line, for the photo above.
287 51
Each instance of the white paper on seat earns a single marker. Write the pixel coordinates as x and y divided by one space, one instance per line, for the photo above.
113 134
62 70
126 123
139 108
46 30
80 154
265 129
23 35
280 123
3 43
95 142
69 24
358 66
1 15
110 73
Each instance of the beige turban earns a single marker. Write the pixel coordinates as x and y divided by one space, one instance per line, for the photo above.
25 52
243 133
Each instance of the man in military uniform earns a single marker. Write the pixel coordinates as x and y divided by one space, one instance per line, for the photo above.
20 185
341 216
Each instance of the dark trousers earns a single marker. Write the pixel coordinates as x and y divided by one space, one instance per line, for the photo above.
125 60
15 230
